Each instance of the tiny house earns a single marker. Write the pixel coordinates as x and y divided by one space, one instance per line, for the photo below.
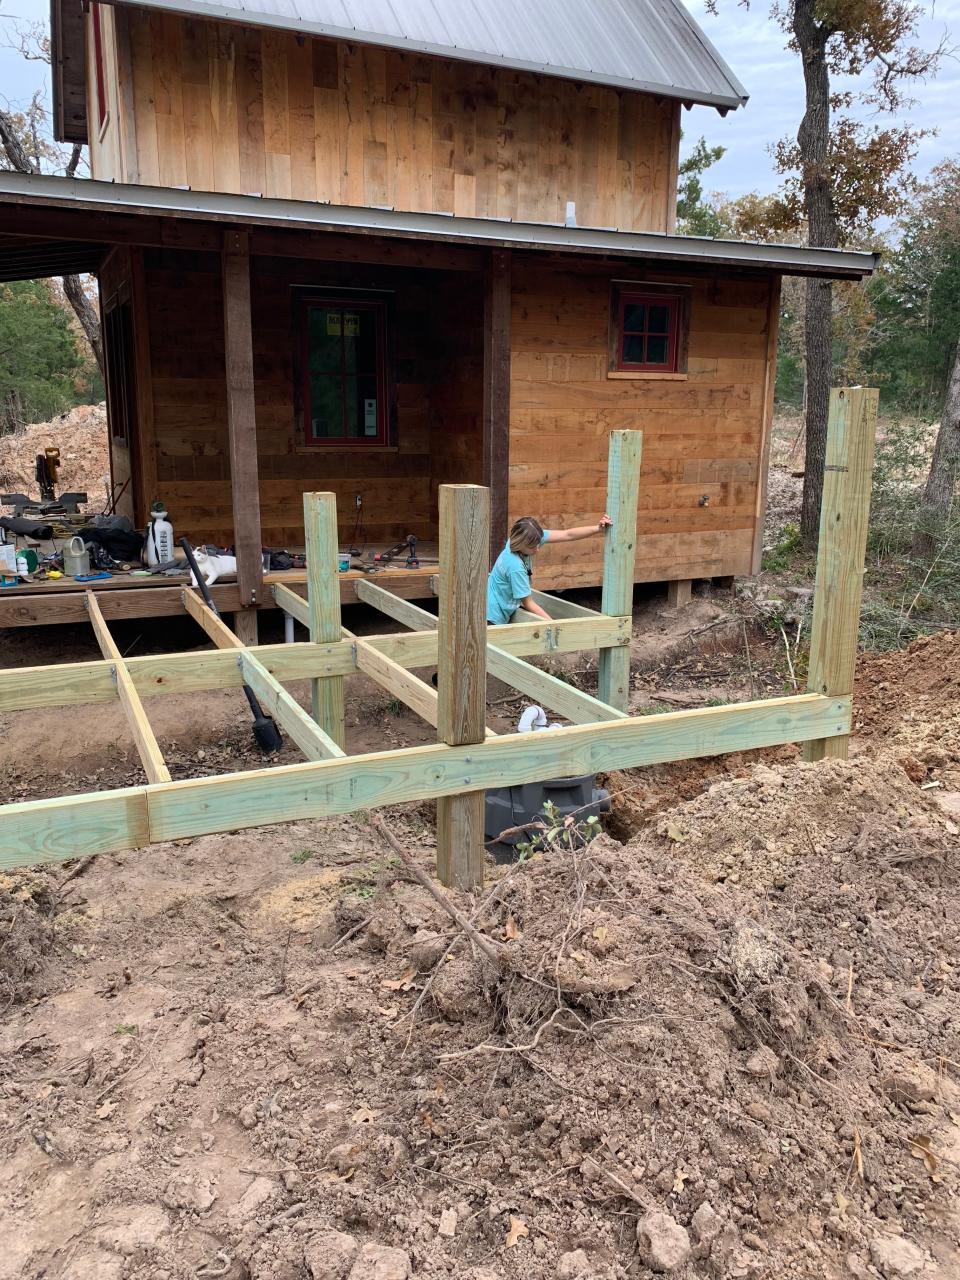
377 248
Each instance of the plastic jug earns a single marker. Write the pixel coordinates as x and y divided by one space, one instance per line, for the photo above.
76 558
159 541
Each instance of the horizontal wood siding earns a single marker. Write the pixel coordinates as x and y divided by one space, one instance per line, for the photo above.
702 437
437 333
221 107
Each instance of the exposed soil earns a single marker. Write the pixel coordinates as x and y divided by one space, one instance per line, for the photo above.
81 437
726 1048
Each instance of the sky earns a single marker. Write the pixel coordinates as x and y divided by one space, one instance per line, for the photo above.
750 42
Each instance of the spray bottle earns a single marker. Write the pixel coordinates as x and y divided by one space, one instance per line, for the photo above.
158 547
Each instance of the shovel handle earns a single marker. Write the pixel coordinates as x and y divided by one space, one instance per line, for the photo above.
204 589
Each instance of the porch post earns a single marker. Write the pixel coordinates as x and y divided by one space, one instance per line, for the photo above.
496 393
242 425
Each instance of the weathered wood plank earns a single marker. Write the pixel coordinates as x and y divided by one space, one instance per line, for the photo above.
323 590
619 555
462 671
241 416
148 749
284 708
844 514
73 683
496 393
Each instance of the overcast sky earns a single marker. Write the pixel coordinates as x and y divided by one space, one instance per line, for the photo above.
751 43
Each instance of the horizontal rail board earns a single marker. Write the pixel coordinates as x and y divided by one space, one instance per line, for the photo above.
49 830
71 683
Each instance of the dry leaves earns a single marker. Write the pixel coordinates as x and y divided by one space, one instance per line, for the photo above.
921 1148
600 933
364 1116
511 930
675 833
403 983
518 1229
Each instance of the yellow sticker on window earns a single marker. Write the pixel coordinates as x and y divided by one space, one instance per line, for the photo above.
351 324
333 324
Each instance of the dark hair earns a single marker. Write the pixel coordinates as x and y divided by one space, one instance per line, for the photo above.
525 535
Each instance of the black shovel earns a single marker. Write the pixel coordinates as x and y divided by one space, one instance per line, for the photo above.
265 730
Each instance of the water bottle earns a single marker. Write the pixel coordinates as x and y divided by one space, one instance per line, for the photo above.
159 542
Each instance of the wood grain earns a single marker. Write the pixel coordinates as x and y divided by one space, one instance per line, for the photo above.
323 594
619 556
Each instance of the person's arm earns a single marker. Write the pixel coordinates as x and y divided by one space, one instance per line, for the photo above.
583 531
531 606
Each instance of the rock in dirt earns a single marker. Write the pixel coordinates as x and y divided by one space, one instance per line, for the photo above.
381 1262
254 1198
762 1062
448 1224
894 1257
191 1192
329 1255
573 1265
664 1244
910 1082
132 1228
706 1223
457 988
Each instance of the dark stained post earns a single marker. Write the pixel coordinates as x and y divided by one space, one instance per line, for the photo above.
242 422
496 393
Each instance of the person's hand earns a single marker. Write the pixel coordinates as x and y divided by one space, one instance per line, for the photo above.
605 523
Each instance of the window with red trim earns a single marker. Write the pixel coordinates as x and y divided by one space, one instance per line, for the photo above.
98 66
648 332
344 371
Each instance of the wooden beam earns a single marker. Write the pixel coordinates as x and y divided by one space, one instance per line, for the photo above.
151 757
560 608
323 592
462 672
38 831
241 416
679 593
411 690
288 713
215 627
291 603
496 393
27 688
769 395
619 557
838 589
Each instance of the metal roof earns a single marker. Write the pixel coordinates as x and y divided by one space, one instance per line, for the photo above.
45 191
651 46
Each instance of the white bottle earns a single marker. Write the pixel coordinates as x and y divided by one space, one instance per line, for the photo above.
159 543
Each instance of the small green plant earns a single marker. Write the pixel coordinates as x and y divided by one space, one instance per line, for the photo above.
395 706
361 815
364 891
559 832
779 557
303 856
127 1029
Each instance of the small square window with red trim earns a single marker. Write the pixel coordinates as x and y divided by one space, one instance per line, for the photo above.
648 332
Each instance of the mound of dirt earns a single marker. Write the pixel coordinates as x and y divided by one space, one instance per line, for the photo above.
81 437
26 932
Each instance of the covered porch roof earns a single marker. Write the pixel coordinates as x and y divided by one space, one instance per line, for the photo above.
37 209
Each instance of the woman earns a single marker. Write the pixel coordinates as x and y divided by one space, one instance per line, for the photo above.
508 587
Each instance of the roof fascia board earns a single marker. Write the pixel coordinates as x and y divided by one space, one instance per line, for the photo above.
282 22
176 202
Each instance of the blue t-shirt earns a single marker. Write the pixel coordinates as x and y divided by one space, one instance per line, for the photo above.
509 583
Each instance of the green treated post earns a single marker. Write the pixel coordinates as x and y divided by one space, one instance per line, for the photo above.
844 514
323 592
462 672
619 556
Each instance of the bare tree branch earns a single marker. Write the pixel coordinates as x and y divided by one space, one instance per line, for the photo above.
86 313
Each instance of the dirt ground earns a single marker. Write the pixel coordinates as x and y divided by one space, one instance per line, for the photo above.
720 1042
81 437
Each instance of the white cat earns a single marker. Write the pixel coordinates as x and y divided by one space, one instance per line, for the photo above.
213 567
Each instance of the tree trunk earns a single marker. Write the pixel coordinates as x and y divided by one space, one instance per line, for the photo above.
813 138
944 469
86 313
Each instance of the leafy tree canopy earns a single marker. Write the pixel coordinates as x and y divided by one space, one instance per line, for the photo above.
42 371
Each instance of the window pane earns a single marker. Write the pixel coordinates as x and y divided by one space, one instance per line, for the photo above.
659 320
324 328
634 317
326 408
362 344
632 348
656 351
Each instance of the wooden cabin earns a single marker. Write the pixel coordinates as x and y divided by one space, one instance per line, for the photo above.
436 245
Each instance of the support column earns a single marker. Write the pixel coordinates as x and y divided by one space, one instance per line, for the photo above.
838 590
323 598
619 558
242 421
679 593
462 671
496 393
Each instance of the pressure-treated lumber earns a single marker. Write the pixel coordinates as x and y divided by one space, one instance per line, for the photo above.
323 594
284 708
462 671
844 514
550 692
559 608
215 627
28 688
679 593
151 757
291 603
241 415
43 830
619 556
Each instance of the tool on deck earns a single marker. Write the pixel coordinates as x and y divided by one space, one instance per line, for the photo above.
409 545
45 471
268 736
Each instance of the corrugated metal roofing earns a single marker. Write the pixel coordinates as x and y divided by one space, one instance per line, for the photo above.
653 46
43 190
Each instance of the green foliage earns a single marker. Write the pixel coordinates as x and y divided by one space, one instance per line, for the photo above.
127 1029
779 557
555 831
40 360
303 856
697 216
